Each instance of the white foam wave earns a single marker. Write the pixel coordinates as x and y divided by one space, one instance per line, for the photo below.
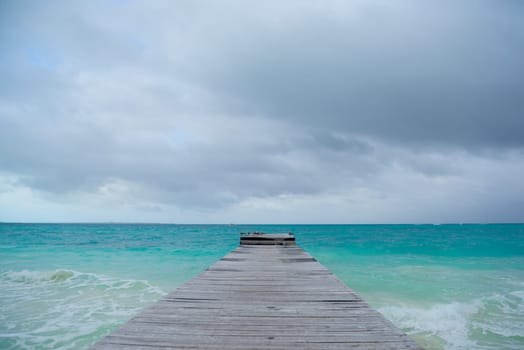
437 327
502 315
26 276
66 309
483 323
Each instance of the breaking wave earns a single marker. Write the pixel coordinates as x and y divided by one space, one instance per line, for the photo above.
482 323
66 309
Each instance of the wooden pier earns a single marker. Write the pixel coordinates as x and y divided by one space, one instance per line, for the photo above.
260 296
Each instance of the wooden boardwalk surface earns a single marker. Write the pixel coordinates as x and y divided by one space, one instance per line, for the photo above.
260 297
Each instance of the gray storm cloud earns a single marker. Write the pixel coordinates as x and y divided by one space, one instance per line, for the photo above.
367 111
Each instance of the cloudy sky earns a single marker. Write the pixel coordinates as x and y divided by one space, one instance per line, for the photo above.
357 111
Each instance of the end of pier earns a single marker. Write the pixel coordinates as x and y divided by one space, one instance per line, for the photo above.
260 238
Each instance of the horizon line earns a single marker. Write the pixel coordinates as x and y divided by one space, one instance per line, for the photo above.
247 224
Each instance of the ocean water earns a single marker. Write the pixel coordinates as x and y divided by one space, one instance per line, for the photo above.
64 286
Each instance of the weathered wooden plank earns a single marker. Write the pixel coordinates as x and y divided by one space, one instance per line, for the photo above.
211 329
312 346
260 297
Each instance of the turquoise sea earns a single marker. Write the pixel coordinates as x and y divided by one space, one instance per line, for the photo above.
64 286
